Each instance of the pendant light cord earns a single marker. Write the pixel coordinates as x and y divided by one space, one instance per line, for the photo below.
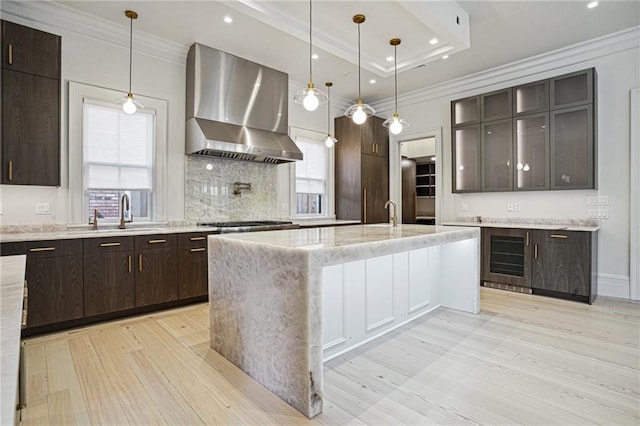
329 111
130 50
359 95
310 42
395 75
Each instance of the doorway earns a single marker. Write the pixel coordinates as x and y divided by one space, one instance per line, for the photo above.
418 168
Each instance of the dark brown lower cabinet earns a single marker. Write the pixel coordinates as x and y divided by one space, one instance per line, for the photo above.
54 279
564 263
109 276
192 265
156 269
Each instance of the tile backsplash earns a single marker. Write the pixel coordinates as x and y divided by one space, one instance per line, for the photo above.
209 187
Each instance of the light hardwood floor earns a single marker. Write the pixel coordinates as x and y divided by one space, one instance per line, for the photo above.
523 360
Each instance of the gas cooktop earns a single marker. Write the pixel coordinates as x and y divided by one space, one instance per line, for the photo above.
250 225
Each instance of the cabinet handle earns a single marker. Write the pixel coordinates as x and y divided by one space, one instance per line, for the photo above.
364 197
36 249
564 237
197 238
11 54
157 241
140 262
535 251
109 244
129 263
194 250
10 170
527 238
25 305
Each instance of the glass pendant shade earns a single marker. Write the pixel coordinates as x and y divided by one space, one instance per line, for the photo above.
395 123
129 104
310 97
359 112
330 141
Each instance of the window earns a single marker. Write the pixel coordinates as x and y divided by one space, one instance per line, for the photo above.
112 154
311 178
117 159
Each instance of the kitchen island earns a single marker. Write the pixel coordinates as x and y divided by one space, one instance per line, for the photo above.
282 302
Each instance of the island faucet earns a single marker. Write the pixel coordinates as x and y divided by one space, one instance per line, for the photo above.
125 206
394 218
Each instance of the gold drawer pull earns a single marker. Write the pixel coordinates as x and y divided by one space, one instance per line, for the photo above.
559 236
109 244
24 318
129 263
194 250
535 251
140 262
10 54
10 171
36 249
527 243
197 238
157 241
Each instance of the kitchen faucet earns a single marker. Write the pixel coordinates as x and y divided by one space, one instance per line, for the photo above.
124 201
394 218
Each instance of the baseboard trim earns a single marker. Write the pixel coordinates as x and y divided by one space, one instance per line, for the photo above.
613 286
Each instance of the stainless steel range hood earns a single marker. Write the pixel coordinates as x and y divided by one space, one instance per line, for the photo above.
236 109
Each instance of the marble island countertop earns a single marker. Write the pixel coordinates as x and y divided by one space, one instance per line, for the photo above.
356 241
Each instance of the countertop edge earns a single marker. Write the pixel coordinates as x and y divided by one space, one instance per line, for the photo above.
542 227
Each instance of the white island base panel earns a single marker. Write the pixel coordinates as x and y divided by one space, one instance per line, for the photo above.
282 302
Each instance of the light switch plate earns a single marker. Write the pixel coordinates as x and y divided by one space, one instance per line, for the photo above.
43 208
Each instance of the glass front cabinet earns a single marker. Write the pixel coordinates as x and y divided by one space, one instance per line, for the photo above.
535 136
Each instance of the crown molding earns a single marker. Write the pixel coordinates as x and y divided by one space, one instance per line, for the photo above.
60 19
546 65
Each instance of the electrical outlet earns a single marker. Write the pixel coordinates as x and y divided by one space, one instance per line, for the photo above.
509 207
465 207
516 207
43 208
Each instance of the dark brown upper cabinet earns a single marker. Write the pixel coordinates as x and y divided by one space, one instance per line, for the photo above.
496 105
30 106
531 98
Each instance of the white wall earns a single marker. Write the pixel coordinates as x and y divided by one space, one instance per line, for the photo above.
617 61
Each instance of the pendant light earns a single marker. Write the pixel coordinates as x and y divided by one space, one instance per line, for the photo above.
359 111
310 98
129 104
395 123
330 140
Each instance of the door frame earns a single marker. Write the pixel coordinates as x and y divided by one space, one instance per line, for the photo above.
395 168
634 201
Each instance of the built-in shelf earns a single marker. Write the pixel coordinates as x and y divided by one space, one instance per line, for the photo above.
426 180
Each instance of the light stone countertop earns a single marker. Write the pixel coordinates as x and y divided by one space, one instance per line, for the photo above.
517 225
316 223
12 273
331 245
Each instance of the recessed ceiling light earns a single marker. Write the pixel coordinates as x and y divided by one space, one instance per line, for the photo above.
315 56
433 41
372 81
445 56
592 4
389 58
228 19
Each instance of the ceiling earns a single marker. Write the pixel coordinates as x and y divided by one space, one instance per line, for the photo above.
276 34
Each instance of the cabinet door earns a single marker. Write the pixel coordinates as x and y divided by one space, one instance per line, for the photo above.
109 278
30 129
465 111
409 200
496 105
380 137
497 157
157 269
348 178
506 255
466 159
572 89
561 262
571 148
54 277
531 98
531 134
30 51
375 189
192 265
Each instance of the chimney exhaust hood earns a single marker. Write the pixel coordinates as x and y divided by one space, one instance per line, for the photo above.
236 109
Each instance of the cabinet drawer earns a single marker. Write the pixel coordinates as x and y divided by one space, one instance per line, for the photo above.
39 249
107 245
194 239
562 237
155 241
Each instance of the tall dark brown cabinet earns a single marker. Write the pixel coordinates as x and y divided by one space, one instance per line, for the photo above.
30 106
362 170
